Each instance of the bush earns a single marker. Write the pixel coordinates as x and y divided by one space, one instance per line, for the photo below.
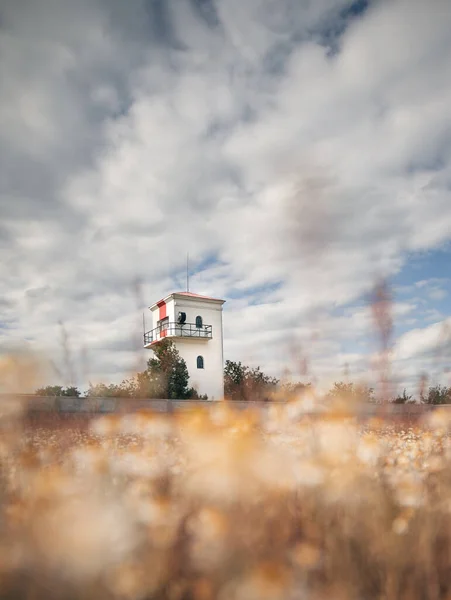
437 394
351 392
243 383
404 398
58 391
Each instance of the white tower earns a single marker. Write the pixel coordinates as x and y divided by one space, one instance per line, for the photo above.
194 323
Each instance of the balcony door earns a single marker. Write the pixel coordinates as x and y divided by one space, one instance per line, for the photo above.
163 326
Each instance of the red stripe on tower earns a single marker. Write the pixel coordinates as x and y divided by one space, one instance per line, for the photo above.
162 314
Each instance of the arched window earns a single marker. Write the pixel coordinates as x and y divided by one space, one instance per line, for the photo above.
199 322
200 362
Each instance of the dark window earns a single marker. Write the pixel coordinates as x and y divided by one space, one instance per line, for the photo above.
199 322
200 362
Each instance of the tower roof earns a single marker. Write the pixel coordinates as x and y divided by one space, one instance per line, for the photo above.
192 295
187 295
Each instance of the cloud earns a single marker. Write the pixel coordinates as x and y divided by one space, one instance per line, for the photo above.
438 294
424 350
305 146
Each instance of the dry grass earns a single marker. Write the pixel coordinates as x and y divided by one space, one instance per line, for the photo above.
222 504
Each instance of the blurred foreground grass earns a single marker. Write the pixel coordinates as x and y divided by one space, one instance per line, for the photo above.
214 503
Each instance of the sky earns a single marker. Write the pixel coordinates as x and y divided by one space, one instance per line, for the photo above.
299 151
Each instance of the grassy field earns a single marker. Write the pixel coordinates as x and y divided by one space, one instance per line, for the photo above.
214 503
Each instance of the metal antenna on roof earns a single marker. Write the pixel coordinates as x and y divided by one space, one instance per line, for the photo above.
187 271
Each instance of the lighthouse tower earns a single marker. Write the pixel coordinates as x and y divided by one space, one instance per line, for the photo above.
194 323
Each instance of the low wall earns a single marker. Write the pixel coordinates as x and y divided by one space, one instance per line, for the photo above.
119 405
71 405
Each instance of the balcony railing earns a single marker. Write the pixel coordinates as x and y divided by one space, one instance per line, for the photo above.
188 330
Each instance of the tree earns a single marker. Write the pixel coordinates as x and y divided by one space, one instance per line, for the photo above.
234 377
58 391
260 386
437 394
193 394
50 390
351 392
291 389
101 390
404 398
72 391
167 372
243 383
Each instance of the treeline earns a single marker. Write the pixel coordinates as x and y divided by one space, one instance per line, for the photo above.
243 383
167 377
437 394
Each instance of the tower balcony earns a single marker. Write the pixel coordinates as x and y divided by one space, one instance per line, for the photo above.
177 331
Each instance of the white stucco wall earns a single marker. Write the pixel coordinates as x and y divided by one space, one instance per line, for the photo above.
170 311
153 318
210 379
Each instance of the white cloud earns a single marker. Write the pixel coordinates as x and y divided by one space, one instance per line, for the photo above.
437 294
424 350
423 340
223 129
